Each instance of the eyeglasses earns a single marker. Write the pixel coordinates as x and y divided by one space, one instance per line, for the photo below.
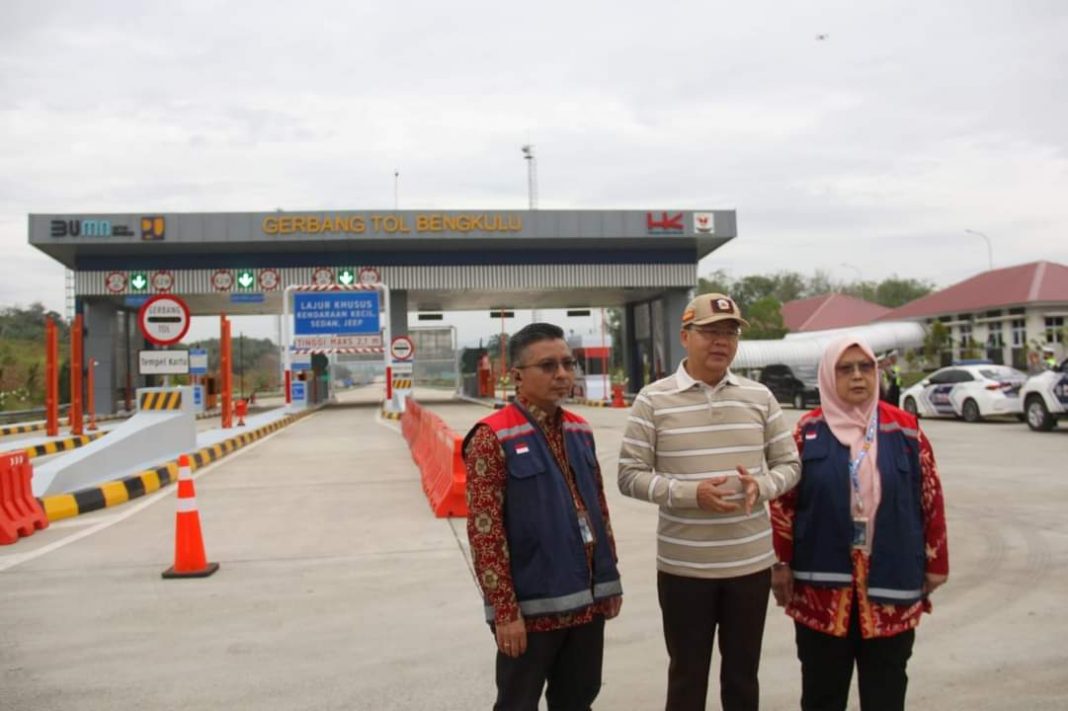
549 367
719 334
864 367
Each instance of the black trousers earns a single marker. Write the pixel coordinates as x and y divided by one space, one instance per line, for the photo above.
692 609
569 660
827 668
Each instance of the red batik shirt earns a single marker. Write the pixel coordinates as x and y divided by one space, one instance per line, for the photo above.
487 477
827 609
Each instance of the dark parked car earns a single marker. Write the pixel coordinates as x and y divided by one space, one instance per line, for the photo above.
796 385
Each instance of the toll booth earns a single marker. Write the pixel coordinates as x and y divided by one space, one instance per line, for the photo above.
211 391
593 377
643 261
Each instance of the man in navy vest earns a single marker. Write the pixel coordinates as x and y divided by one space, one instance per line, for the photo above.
541 539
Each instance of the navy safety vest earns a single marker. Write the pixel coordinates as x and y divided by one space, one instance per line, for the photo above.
546 552
824 521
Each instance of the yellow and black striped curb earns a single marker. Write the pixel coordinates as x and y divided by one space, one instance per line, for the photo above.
390 415
161 400
402 384
112 493
22 428
61 445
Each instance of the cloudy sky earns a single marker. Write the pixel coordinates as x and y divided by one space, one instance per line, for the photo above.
858 138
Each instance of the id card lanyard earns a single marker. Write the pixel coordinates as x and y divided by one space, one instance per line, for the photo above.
860 518
854 465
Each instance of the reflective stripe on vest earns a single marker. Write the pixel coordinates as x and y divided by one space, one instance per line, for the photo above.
823 577
510 432
565 603
891 594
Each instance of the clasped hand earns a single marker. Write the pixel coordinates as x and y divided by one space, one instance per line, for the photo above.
712 494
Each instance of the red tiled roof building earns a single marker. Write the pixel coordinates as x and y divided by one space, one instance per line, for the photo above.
820 313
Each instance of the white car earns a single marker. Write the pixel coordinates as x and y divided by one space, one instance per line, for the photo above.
1045 398
971 392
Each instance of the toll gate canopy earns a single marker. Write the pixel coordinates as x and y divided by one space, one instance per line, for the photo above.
644 261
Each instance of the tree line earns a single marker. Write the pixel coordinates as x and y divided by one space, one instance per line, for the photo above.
761 296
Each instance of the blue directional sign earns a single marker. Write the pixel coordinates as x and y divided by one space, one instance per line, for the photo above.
297 391
134 301
336 313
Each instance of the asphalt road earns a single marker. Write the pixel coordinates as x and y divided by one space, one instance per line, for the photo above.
340 590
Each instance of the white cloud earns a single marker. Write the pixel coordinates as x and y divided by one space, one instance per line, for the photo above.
876 147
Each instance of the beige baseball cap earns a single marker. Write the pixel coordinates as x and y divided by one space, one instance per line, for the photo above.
711 308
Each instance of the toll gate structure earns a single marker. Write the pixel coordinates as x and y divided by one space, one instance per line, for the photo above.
644 261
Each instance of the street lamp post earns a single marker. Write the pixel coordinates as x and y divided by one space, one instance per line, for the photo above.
532 175
860 276
989 249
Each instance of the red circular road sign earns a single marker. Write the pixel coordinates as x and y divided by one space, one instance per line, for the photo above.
162 281
269 279
369 276
402 348
164 319
323 276
222 280
115 282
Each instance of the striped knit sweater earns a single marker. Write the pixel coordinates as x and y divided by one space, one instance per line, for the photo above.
680 432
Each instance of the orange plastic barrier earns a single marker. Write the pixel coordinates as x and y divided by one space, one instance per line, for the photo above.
190 560
437 451
20 513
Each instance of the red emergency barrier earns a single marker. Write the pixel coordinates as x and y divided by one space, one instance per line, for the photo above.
436 450
20 513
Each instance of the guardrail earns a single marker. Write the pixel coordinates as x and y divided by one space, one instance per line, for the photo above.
15 416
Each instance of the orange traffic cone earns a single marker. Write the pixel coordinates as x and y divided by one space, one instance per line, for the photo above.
189 558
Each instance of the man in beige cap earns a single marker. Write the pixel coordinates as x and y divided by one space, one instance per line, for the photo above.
709 448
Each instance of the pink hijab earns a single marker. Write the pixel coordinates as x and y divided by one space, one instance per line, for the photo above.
849 423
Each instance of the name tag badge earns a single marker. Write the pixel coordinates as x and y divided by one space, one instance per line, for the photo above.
860 532
585 528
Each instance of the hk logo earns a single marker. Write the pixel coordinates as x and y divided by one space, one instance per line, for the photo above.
153 229
664 224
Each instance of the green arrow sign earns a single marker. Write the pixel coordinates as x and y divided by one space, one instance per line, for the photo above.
346 276
246 278
138 281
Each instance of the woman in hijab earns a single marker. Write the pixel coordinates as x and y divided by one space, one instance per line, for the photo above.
861 540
